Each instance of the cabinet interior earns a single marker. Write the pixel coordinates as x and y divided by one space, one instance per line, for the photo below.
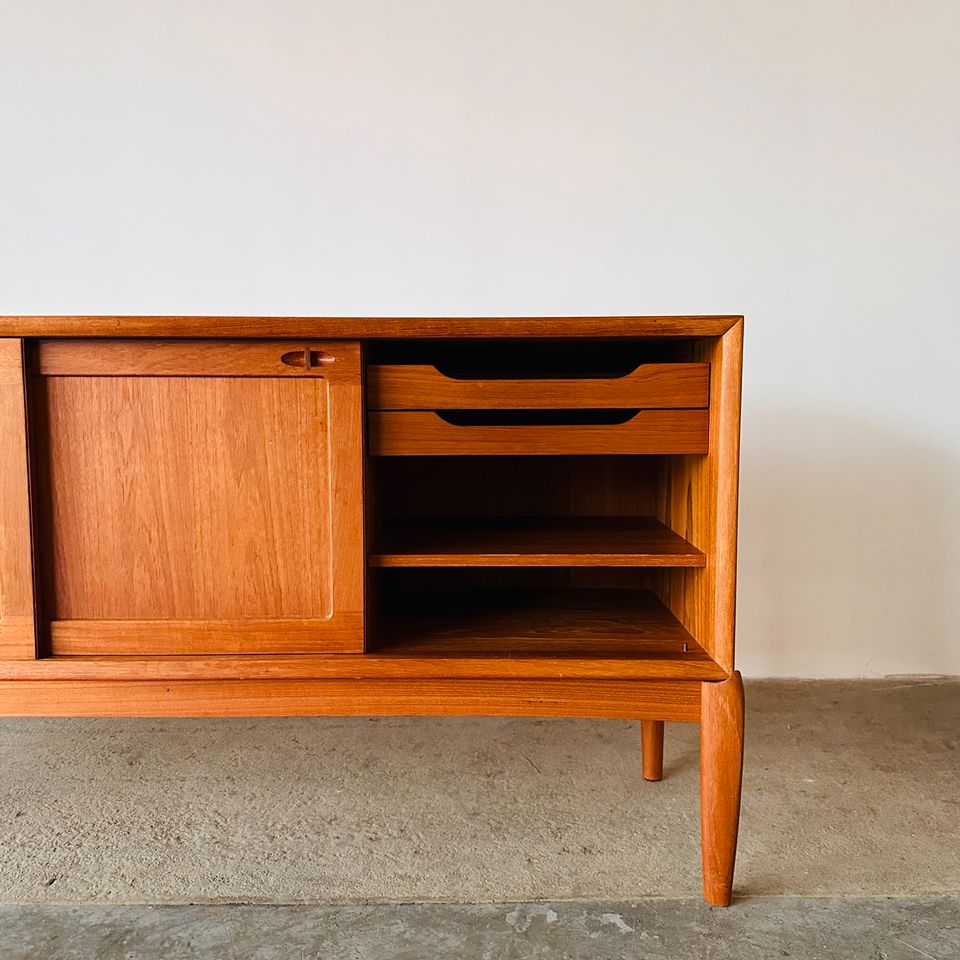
536 555
147 454
600 555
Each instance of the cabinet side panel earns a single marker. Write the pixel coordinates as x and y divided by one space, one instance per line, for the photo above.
17 624
698 500
727 453
345 494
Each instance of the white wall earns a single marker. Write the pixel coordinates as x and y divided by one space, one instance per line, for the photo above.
796 162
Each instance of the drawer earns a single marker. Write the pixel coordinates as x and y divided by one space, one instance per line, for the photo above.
596 431
649 385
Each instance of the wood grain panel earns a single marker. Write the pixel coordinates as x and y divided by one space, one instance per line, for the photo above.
651 385
699 501
504 486
394 661
205 499
362 328
131 637
644 699
17 625
726 419
423 432
180 499
344 450
186 358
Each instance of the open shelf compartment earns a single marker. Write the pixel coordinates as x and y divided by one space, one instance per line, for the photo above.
608 633
555 558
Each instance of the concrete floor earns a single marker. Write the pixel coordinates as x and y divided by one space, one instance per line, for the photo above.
852 789
807 929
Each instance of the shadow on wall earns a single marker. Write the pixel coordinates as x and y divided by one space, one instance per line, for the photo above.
849 552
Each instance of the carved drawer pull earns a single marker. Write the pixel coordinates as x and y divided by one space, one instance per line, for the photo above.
306 358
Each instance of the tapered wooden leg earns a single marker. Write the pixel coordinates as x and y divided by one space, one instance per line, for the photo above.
651 737
721 768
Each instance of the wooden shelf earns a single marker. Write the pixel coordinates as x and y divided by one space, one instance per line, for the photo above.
595 633
533 541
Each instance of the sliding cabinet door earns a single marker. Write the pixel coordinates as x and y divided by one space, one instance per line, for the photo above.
199 496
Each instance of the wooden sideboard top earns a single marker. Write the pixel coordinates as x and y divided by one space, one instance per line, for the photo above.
364 328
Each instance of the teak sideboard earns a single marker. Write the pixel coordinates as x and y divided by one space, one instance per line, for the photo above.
240 516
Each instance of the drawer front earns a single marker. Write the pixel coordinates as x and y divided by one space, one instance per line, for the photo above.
650 385
426 433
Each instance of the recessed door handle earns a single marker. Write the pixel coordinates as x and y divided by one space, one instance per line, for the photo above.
306 358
